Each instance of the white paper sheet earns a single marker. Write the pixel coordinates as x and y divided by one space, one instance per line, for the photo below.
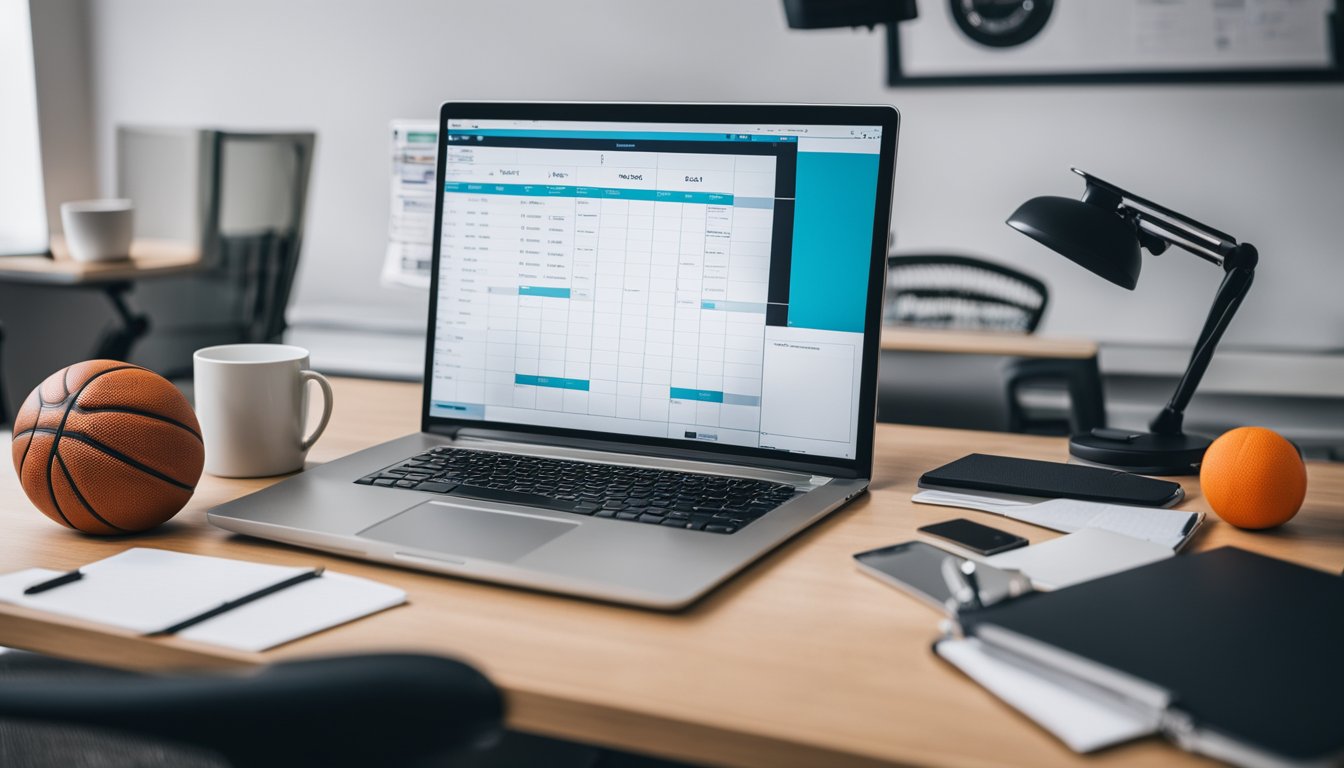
1080 556
1168 527
1084 722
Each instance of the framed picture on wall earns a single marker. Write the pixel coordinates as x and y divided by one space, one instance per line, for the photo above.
985 42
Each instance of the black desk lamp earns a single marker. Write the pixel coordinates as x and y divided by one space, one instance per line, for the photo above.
1104 233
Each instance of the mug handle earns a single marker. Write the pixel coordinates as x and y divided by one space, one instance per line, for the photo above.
307 376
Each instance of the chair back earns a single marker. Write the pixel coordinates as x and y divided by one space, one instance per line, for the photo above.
339 712
253 226
963 293
250 191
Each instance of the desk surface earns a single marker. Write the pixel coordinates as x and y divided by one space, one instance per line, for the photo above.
149 258
800 660
904 339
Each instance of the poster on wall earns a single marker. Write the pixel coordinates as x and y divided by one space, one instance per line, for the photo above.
410 227
1024 41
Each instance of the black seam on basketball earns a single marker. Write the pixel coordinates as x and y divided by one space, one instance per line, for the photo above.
127 460
111 452
51 490
71 480
24 461
60 430
137 412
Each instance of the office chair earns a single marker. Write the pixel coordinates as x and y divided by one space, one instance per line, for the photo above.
252 193
950 291
956 292
341 712
4 411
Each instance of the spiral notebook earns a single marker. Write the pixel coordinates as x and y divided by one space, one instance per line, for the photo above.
151 591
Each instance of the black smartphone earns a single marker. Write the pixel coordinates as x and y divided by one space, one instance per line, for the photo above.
980 539
918 569
1051 480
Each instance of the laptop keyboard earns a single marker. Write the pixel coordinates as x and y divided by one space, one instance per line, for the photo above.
699 502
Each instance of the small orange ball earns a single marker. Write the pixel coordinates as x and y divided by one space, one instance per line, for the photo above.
1253 478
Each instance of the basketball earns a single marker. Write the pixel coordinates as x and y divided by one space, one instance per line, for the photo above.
107 448
1253 478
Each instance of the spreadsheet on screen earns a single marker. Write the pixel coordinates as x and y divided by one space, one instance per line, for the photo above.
697 282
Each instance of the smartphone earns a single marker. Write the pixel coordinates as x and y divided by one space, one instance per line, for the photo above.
1051 480
970 535
918 569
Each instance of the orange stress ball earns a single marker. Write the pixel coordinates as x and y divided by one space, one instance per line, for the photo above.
106 447
1253 478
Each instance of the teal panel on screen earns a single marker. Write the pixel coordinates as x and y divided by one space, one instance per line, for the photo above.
832 240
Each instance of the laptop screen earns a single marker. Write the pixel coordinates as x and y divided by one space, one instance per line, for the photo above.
696 282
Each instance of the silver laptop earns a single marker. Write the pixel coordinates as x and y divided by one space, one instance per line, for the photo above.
652 351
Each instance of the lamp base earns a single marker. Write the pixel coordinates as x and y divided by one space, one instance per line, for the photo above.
1143 453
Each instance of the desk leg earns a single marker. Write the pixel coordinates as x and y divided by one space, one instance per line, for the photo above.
117 340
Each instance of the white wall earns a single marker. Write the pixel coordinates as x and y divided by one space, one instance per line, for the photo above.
1265 162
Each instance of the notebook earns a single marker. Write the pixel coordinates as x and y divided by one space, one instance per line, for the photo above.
1233 654
147 590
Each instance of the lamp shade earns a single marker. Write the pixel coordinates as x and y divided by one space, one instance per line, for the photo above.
1090 236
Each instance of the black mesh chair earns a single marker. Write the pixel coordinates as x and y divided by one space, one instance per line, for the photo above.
343 712
254 199
962 292
955 292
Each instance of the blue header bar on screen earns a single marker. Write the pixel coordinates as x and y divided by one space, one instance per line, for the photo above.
551 190
547 133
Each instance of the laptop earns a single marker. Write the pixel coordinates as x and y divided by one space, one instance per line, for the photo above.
652 351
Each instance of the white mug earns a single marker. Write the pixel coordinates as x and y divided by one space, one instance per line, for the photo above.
97 230
252 402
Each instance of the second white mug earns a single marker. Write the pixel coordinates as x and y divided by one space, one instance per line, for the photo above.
252 402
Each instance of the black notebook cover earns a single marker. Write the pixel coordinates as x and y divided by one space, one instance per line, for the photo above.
1251 647
1027 477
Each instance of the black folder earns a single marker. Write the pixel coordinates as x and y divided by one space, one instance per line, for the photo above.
1242 654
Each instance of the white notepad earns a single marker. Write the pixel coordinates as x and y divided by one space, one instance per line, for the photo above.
1080 556
148 590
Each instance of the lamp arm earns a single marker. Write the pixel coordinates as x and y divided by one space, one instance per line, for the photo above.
1239 266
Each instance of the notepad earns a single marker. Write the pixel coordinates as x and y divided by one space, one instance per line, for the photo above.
1080 556
148 590
1168 527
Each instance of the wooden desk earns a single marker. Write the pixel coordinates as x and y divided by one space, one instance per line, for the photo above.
799 661
149 258
905 339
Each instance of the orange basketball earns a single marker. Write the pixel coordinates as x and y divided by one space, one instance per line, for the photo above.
1253 478
106 447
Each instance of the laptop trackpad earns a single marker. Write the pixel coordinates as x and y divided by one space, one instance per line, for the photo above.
467 530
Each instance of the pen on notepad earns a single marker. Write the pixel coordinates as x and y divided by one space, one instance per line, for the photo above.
59 581
244 600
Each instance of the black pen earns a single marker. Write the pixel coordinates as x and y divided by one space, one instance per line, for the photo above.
244 600
59 581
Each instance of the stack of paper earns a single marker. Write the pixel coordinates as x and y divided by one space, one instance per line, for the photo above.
1168 527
